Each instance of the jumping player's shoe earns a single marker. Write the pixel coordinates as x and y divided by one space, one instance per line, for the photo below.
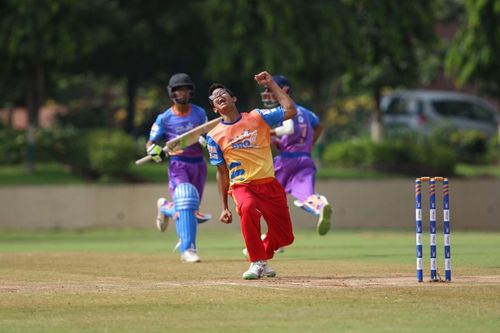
161 219
190 255
311 205
325 212
255 271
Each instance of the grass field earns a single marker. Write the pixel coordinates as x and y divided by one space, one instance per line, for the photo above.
50 173
347 281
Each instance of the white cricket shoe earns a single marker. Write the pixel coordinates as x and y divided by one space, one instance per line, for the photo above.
269 272
190 255
255 271
161 219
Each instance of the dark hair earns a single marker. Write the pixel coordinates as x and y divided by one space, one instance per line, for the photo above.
214 86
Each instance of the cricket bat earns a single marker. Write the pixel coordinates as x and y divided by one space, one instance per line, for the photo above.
184 140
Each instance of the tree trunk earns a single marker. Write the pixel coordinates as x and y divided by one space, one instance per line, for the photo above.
131 94
376 128
10 116
32 123
34 96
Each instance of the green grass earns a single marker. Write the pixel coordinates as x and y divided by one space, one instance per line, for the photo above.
347 281
153 172
466 170
157 173
44 174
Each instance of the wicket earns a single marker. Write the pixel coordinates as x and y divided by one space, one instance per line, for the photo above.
432 227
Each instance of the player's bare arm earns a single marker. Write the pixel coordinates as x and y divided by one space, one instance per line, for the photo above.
286 102
222 177
317 132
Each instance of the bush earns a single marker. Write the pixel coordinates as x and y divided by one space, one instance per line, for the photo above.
356 153
470 146
494 151
55 144
438 160
402 157
110 153
12 146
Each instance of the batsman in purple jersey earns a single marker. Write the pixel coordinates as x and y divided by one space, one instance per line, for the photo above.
187 169
188 166
294 166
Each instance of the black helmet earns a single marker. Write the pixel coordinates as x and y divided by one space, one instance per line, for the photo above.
179 80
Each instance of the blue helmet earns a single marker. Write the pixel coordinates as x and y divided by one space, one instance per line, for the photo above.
268 98
282 81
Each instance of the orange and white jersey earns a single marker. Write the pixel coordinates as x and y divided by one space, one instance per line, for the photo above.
245 145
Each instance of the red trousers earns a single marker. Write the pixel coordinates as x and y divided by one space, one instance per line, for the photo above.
269 201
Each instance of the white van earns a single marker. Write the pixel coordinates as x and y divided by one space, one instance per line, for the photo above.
423 109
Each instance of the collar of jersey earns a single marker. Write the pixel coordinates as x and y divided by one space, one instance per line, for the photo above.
233 122
177 113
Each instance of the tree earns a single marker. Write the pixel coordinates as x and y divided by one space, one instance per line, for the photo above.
150 41
474 56
38 36
392 43
248 36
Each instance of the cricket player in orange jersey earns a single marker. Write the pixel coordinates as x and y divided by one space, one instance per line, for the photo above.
240 147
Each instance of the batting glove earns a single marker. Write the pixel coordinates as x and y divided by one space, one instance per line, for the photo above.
202 141
155 152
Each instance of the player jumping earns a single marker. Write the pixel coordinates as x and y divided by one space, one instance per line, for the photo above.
294 166
240 147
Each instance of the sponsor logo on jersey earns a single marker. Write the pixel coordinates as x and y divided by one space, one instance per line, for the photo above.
183 128
245 140
212 152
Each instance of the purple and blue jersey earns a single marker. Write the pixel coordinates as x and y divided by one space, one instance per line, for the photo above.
301 141
188 166
170 124
294 167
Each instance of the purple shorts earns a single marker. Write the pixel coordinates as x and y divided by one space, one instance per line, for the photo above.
296 175
187 172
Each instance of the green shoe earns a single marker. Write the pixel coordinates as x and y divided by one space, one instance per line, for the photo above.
323 225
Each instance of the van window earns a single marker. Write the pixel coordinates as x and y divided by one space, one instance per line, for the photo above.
463 109
397 106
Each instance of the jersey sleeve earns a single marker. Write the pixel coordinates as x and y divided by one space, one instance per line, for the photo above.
202 115
273 117
214 152
157 131
313 118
